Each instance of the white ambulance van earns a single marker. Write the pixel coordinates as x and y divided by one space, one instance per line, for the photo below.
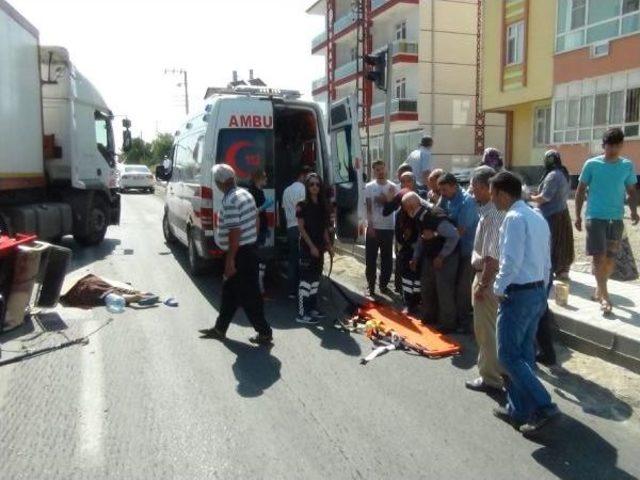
253 128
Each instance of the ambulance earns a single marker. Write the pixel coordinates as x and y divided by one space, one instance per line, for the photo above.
252 128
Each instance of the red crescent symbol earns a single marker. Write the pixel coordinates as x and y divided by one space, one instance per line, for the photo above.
230 156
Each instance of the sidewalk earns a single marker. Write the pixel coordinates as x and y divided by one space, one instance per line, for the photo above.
582 326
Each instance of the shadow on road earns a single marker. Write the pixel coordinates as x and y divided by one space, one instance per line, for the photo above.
255 368
83 256
280 311
594 399
573 451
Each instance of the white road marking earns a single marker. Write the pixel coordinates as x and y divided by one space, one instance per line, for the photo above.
91 400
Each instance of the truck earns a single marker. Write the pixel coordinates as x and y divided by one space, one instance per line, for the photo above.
57 154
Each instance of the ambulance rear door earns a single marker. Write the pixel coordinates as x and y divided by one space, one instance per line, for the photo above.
347 169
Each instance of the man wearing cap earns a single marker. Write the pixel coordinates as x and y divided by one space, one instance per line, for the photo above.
420 159
236 235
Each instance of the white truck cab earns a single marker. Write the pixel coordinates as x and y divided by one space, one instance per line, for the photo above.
254 128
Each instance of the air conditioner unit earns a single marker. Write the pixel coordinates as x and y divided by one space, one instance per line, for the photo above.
600 49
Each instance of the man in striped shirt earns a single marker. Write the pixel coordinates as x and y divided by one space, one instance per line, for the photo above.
485 261
236 235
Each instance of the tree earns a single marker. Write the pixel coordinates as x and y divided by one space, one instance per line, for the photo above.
140 152
161 147
149 153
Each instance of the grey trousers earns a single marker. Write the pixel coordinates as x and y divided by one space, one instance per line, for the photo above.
438 292
463 291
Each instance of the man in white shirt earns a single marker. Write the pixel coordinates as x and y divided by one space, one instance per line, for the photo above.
291 196
380 228
420 159
525 263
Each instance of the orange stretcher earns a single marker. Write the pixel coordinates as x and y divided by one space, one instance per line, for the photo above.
417 336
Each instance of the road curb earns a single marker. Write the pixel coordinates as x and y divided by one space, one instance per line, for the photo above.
575 332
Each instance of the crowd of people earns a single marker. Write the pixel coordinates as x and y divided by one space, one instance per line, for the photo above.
481 259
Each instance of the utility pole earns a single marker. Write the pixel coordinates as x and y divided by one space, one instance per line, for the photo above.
386 145
185 84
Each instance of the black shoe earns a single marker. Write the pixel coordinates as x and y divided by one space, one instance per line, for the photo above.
540 419
386 290
546 360
213 332
478 385
262 339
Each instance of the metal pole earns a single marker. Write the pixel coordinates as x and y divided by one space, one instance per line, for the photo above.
186 92
386 150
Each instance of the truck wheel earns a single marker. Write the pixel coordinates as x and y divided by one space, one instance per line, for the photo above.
169 237
197 264
97 223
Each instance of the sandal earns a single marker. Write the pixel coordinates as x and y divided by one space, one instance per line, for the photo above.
606 306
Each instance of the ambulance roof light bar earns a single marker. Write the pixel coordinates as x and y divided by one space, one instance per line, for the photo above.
253 90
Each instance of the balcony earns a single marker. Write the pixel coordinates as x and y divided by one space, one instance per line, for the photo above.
318 41
318 85
346 70
379 6
343 23
398 105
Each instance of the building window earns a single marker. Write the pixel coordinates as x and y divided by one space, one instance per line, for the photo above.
401 31
353 53
584 118
542 126
401 88
583 22
515 43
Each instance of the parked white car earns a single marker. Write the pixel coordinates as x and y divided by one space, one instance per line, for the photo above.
136 177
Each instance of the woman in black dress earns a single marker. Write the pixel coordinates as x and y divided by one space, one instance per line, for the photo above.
313 222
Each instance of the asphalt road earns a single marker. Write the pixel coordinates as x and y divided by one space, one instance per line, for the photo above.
149 399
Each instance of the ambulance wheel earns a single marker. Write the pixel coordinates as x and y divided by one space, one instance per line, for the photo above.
197 264
169 237
97 222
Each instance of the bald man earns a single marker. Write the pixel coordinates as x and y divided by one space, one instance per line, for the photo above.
436 258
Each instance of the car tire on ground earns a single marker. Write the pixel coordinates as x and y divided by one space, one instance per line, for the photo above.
97 223
152 190
169 237
197 264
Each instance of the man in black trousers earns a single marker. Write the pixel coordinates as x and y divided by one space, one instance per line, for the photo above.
236 235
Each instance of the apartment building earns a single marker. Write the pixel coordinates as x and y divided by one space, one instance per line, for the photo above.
517 77
434 52
596 77
563 71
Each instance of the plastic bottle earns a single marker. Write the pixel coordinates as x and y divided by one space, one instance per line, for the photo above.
115 303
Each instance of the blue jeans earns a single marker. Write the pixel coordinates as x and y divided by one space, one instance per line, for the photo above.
293 273
518 317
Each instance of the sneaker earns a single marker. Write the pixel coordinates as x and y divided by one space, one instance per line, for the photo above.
306 320
369 293
261 339
540 419
386 290
315 314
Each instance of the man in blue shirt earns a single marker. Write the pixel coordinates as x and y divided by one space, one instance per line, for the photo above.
606 178
520 285
463 210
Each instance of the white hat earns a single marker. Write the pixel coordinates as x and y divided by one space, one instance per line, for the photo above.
222 173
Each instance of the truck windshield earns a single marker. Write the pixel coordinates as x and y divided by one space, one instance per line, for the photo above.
104 137
247 150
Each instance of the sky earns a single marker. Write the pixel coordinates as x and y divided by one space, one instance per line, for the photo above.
124 46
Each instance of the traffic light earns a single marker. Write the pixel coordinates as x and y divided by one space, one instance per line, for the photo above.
376 72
